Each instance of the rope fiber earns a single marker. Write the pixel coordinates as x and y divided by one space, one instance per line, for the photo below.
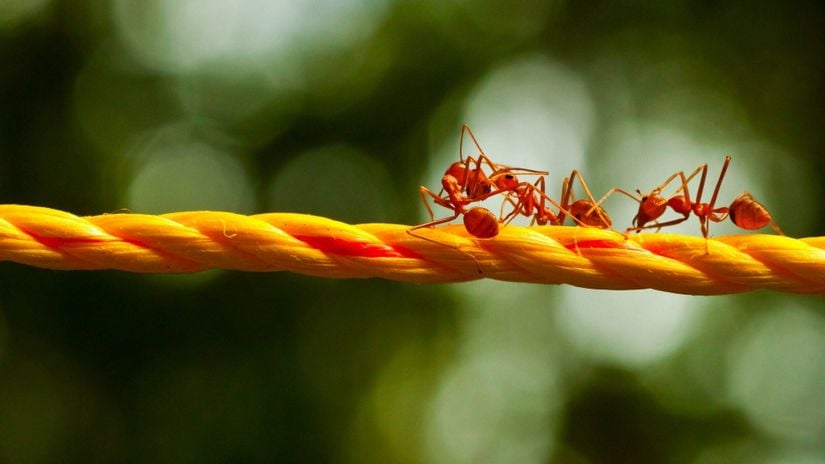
312 245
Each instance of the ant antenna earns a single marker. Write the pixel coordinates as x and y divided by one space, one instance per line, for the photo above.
466 128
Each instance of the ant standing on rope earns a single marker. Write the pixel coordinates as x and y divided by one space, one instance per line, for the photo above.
465 182
531 201
745 212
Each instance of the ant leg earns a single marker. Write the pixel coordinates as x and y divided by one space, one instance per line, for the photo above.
536 188
471 172
563 208
441 221
776 228
703 221
425 192
609 193
719 182
434 222
502 169
669 180
704 169
527 202
719 214
575 175
512 214
466 129
516 205
566 191
483 158
658 225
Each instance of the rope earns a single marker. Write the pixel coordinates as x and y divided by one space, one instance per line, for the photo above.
304 244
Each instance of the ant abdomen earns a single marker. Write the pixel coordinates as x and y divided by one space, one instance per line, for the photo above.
748 213
481 222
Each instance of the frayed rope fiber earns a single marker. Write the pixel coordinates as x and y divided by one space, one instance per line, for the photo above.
312 245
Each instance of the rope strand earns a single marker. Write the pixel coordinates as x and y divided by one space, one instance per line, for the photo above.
305 244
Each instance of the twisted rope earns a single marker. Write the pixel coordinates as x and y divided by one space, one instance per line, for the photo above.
304 244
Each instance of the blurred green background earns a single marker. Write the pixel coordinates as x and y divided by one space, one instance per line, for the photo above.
343 108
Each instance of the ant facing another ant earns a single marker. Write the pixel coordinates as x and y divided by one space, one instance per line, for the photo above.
465 182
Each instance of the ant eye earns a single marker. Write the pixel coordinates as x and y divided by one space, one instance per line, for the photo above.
644 198
510 177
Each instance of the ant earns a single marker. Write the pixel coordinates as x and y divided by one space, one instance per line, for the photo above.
531 200
479 222
653 205
465 182
745 212
472 179
585 213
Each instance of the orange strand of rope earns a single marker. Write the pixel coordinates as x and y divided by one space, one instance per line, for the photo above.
305 244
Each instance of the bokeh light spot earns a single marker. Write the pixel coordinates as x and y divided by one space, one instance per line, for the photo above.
337 182
189 176
631 328
777 372
115 101
394 405
533 112
14 12
493 406
181 35
500 398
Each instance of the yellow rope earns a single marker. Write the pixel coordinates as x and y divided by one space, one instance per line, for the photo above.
304 244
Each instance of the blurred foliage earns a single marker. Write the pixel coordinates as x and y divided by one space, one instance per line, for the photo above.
343 108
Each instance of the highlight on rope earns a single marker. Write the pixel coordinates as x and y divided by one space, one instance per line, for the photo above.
587 253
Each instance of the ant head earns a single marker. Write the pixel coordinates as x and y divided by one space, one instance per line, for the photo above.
458 170
450 183
641 219
652 205
505 180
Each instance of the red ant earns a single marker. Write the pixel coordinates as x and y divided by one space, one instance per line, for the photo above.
744 211
479 222
530 197
531 200
465 182
470 177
